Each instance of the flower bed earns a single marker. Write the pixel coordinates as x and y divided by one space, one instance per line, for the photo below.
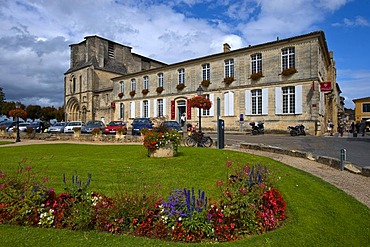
248 204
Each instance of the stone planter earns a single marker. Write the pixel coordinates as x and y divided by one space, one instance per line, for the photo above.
76 134
166 151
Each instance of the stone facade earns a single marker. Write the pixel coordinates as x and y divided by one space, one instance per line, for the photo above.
269 96
88 82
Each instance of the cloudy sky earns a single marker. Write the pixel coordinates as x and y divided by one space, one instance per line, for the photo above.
35 35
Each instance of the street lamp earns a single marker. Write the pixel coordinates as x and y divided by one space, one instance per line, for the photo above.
199 93
18 139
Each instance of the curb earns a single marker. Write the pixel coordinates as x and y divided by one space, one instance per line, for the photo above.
329 161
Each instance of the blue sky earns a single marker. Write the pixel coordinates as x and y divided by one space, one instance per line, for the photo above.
35 35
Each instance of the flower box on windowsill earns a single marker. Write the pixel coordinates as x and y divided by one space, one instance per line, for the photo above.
180 86
145 91
120 95
256 76
205 83
159 89
132 93
228 80
289 71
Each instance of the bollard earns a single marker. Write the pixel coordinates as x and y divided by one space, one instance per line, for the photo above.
343 157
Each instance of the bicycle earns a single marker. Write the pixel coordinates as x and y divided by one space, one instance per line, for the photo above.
198 138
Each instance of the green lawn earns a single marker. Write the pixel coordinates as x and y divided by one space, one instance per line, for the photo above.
318 213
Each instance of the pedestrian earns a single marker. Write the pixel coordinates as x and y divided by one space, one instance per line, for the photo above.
183 120
357 127
353 127
341 128
330 126
363 127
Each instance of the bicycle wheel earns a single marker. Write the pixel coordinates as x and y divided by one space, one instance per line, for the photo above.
190 142
207 141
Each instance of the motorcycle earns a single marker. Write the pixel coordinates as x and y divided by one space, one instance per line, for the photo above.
257 128
297 130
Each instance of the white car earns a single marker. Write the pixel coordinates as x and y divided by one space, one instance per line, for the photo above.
22 127
71 125
58 127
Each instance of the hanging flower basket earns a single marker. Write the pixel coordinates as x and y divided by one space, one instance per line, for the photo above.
159 89
200 102
256 76
145 91
132 93
228 80
180 86
289 71
120 95
205 83
19 112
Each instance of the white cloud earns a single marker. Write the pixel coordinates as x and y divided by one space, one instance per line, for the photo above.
35 35
358 21
354 84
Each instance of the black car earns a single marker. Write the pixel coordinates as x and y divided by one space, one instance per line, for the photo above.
39 126
141 123
91 125
173 125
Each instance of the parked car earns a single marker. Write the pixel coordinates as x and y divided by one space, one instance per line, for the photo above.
39 126
90 125
22 127
7 124
141 123
113 126
173 125
71 125
58 127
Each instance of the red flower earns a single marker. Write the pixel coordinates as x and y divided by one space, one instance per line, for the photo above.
200 102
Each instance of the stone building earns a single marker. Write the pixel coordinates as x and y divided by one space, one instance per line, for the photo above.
87 83
279 83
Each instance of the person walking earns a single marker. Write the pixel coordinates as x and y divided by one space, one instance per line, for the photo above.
363 127
330 126
182 120
341 128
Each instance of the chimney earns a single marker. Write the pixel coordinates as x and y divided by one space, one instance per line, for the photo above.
227 47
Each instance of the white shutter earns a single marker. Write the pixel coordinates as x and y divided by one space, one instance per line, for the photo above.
149 108
155 108
247 102
265 101
298 99
231 103
164 107
132 109
212 110
141 108
278 101
226 103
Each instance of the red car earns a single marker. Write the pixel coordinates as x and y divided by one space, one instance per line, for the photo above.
113 126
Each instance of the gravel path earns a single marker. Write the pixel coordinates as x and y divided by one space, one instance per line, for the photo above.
355 185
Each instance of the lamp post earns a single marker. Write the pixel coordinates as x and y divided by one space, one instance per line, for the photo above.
199 93
18 139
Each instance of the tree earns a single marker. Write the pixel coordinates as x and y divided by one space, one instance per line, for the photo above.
34 111
2 96
2 100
